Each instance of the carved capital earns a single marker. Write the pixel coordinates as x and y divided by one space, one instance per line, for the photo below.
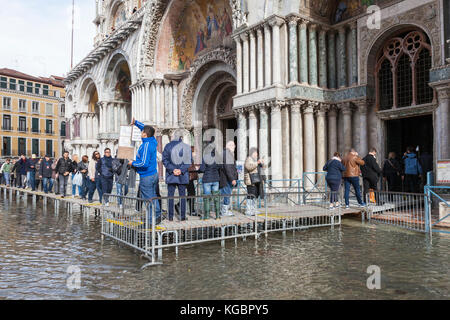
346 108
443 93
293 20
244 36
276 21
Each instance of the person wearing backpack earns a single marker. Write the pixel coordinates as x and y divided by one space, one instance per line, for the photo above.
412 170
82 168
104 167
63 168
46 174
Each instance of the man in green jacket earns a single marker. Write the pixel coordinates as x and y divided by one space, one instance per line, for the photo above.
6 170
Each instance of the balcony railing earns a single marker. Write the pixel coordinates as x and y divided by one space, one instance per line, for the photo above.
49 132
6 107
7 128
20 129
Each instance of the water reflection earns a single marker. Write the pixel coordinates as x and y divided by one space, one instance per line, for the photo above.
37 246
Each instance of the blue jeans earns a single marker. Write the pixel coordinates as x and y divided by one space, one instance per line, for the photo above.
7 177
181 192
47 183
74 190
107 185
31 177
228 189
98 185
354 181
122 190
147 188
209 187
84 187
92 185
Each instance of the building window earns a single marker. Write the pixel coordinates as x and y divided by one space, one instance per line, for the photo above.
6 122
48 126
30 87
45 90
402 71
3 82
63 129
37 88
22 124
35 107
49 109
35 146
22 85
35 125
63 110
7 103
22 144
6 149
49 147
12 84
22 105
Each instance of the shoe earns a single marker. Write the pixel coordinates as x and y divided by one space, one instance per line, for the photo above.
331 208
216 200
205 209
249 210
363 205
91 201
120 206
347 207
107 204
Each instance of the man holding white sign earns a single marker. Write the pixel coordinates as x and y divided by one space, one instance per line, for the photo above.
146 166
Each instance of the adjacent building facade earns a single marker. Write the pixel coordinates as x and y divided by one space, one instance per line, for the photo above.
300 79
31 114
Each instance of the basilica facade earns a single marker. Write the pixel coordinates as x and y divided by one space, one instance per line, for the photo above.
300 79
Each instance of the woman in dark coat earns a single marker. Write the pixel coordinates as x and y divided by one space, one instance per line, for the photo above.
334 169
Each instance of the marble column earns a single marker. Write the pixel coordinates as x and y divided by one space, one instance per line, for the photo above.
153 103
253 128
264 134
168 102
238 65
347 117
158 101
116 118
332 59
245 64
323 75
332 131
242 149
354 52
147 101
442 121
82 127
293 50
175 103
363 147
252 61
260 62
267 56
132 102
276 52
313 54
303 52
342 57
309 150
101 123
275 143
321 138
296 141
286 147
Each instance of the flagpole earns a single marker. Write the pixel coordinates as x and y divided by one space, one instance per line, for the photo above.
71 48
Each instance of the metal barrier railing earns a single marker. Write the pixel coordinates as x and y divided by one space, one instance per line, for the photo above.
313 183
442 218
400 209
130 220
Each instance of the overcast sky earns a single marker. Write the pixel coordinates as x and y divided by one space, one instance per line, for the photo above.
35 35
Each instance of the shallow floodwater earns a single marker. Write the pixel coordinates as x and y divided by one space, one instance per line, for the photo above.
37 246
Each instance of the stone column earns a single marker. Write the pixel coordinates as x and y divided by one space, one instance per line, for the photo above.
313 55
323 75
293 50
252 61
296 141
347 116
162 112
101 123
332 131
90 122
153 103
332 59
303 52
253 128
242 135
309 150
276 45
286 150
175 103
264 134
321 138
275 143
442 131
168 103
245 64
132 103
158 101
147 101
238 65
116 118
260 68
363 147
342 57
267 56
82 127
354 52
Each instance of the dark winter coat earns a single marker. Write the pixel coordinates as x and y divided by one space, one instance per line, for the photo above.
391 167
228 171
334 169
182 160
370 169
64 166
83 166
21 167
210 169
30 165
46 168
412 165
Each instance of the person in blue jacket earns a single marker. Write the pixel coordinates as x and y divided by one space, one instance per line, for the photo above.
412 170
146 165
334 168
177 158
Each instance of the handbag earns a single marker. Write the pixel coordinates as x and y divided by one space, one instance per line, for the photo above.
255 178
78 179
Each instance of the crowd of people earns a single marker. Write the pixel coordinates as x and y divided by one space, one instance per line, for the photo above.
399 176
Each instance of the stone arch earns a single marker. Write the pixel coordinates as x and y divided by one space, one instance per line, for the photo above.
111 11
117 77
205 70
88 95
